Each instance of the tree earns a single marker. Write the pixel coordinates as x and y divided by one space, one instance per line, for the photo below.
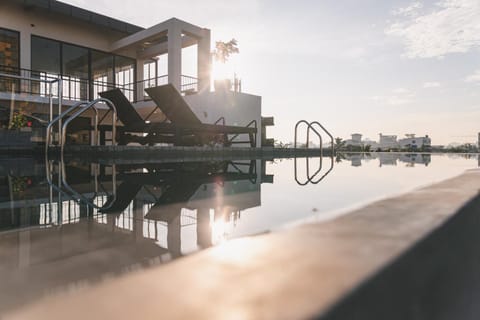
281 145
339 143
223 50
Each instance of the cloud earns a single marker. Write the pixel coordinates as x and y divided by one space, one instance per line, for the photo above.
409 11
475 77
397 97
452 27
432 84
400 90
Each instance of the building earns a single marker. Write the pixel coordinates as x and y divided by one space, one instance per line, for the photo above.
355 141
387 141
412 142
91 53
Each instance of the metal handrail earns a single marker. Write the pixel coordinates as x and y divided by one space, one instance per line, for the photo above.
50 82
327 132
222 119
309 127
310 178
81 111
63 178
254 122
61 116
74 195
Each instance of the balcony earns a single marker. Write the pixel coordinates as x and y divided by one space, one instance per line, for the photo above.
78 89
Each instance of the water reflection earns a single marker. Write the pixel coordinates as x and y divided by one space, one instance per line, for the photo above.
318 173
68 225
64 224
387 159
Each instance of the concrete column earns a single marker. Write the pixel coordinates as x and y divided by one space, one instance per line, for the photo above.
204 232
25 50
139 77
175 55
174 236
138 220
204 62
25 57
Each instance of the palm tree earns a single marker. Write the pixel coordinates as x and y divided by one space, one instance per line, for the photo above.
223 50
339 143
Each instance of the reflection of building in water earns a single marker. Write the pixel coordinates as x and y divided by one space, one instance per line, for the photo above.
387 159
390 159
356 160
161 212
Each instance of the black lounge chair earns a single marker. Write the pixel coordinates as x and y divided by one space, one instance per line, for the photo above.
182 128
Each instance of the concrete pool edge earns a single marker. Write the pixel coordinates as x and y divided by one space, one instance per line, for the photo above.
307 271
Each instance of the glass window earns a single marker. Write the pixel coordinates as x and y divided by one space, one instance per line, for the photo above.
45 55
9 58
102 72
75 61
9 48
125 75
46 61
75 72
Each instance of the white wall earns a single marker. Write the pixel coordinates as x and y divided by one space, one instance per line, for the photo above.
237 108
53 26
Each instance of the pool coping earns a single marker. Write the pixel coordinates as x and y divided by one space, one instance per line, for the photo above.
311 270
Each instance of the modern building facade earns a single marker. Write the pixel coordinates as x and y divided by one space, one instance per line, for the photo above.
92 53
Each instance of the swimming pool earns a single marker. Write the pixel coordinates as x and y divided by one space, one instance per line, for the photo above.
68 225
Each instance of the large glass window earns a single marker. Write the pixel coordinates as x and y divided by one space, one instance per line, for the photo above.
45 55
45 62
102 71
125 75
9 48
75 71
75 61
83 70
9 58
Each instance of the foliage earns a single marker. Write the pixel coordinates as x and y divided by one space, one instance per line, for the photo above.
18 121
339 143
20 184
281 145
223 50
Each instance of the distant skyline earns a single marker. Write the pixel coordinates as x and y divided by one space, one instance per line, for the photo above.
394 67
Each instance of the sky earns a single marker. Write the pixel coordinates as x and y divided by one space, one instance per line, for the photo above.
370 66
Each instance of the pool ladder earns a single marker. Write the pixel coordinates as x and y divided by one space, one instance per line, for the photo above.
311 127
65 191
77 110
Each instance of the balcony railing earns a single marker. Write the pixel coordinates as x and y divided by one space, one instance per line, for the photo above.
80 89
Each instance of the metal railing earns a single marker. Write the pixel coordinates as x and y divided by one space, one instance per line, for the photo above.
64 190
310 127
252 137
188 83
79 89
92 104
49 83
58 119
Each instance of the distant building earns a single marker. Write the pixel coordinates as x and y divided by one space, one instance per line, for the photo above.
412 142
356 140
387 141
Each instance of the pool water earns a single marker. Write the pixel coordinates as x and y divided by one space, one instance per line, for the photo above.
72 224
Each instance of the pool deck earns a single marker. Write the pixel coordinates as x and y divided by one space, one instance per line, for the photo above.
413 256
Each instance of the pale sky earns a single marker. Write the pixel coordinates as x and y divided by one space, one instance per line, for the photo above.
367 66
